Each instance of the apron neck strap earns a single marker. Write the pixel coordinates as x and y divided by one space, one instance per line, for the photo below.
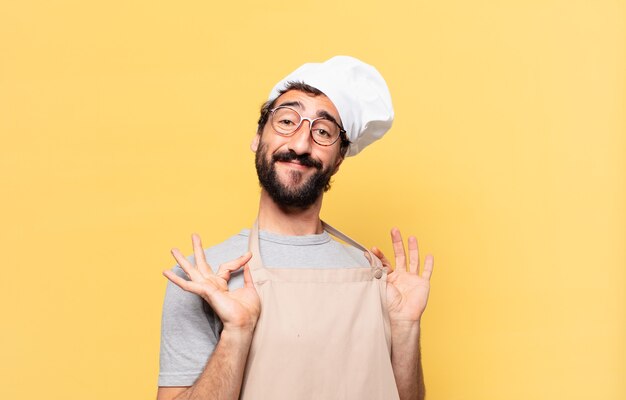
256 263
374 261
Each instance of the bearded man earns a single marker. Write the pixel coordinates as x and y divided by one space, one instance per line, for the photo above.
299 315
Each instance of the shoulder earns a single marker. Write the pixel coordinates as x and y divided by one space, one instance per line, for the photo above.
356 254
227 250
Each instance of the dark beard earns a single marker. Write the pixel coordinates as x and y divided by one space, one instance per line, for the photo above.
302 196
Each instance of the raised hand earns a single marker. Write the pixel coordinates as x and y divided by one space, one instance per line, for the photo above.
239 309
407 290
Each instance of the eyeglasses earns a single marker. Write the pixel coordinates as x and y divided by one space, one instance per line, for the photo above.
285 121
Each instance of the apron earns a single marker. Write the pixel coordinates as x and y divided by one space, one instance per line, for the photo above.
322 333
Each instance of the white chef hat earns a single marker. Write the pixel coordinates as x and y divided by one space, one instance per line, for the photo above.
357 90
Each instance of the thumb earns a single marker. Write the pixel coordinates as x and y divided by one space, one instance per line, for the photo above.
247 277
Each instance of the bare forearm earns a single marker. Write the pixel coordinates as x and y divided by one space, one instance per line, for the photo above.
406 360
222 377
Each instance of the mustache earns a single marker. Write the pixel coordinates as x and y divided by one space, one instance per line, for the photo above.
303 159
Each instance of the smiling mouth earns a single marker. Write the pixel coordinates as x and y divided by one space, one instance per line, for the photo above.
303 160
295 164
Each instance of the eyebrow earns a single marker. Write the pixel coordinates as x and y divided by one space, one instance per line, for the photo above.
291 104
326 115
321 113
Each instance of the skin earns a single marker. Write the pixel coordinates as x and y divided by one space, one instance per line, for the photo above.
407 295
407 288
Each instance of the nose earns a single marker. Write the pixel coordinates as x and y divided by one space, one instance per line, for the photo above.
301 141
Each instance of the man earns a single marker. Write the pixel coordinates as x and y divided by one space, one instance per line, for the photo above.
326 321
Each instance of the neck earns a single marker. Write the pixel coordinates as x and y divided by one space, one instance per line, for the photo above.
289 221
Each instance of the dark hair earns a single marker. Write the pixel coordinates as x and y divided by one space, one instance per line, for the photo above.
303 87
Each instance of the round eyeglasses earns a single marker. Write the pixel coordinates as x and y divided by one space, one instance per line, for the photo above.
285 121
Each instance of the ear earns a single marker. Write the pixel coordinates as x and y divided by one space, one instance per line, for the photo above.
255 143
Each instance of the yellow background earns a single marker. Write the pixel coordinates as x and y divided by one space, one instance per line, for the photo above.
125 127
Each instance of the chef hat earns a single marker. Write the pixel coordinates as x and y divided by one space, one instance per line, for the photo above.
357 90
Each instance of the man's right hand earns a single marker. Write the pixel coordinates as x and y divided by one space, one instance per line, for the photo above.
239 310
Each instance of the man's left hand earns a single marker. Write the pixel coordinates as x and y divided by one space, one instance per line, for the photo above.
407 289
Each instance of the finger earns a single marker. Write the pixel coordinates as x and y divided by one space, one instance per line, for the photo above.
398 249
190 270
414 256
429 264
227 268
378 253
198 253
247 277
184 284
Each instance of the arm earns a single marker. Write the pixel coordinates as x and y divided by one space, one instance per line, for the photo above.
407 295
406 361
238 310
223 374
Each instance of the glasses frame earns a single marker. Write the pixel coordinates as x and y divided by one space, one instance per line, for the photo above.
311 122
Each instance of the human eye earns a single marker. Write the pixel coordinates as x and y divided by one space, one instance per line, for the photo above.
322 133
286 122
324 129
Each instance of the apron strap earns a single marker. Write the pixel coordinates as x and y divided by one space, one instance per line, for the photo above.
256 263
375 261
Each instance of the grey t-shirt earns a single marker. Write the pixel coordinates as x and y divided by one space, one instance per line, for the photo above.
190 329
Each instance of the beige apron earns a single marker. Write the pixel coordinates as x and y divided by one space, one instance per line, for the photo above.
322 333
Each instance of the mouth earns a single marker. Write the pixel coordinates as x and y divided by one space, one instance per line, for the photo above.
294 164
299 162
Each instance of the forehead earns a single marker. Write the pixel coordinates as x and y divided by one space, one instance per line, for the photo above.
308 103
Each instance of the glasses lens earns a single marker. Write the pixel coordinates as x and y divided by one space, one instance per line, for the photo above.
325 131
285 120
